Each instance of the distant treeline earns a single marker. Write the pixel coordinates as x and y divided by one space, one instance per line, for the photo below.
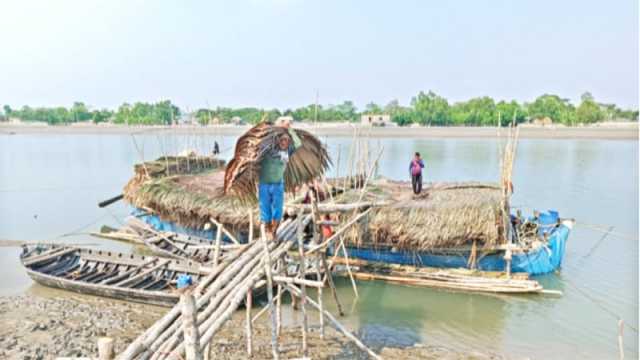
424 109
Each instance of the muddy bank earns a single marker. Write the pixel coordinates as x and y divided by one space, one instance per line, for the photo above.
36 327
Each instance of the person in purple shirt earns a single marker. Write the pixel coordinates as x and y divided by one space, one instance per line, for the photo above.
415 169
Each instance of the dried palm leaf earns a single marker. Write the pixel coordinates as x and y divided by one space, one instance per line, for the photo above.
307 163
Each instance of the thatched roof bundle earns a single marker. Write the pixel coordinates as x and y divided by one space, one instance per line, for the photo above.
309 161
191 200
444 215
169 166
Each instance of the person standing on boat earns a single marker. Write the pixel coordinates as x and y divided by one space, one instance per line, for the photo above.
415 169
271 184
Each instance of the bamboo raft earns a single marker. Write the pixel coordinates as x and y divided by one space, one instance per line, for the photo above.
439 278
129 277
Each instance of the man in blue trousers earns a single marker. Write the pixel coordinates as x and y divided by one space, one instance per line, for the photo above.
271 184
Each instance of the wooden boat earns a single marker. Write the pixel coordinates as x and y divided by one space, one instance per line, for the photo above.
178 246
536 258
130 277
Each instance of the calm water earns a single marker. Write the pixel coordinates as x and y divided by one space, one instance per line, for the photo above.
50 187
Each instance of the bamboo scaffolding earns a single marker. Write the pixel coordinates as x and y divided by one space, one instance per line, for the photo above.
272 310
301 274
336 323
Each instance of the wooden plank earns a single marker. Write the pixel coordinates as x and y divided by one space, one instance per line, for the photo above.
30 261
125 282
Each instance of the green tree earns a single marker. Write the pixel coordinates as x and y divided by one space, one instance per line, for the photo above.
589 111
431 109
372 108
554 107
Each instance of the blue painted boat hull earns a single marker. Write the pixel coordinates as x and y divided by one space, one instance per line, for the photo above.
543 260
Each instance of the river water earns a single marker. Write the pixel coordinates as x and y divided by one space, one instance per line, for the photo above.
50 186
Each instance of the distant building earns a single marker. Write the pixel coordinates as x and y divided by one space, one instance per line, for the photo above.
237 120
186 119
376 120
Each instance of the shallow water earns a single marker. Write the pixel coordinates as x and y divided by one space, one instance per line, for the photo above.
50 187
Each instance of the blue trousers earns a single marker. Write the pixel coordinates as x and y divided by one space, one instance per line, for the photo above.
271 198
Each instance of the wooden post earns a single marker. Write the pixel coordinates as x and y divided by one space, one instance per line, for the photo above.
303 298
216 253
250 227
267 260
279 301
332 286
507 258
190 328
105 348
320 302
620 334
248 304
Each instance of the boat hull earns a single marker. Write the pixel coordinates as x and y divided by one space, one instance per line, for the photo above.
545 259
133 295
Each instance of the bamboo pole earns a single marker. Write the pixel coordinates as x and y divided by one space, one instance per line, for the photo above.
337 324
216 253
267 267
248 305
620 335
264 309
339 232
226 232
302 270
320 300
279 303
105 348
191 335
238 275
250 227
348 265
332 286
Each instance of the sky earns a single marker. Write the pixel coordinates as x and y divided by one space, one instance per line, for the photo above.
282 53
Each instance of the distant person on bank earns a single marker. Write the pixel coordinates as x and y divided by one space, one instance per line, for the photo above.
415 169
271 184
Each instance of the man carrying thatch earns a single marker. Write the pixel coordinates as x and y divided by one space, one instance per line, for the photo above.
271 183
273 159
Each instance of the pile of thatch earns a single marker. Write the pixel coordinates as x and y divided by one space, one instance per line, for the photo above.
190 200
307 163
169 166
443 216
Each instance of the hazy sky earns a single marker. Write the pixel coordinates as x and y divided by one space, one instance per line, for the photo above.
277 53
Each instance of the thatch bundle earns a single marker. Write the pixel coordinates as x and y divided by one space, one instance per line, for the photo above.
168 166
443 216
308 162
190 200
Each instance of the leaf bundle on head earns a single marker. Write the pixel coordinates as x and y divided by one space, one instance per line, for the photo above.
307 163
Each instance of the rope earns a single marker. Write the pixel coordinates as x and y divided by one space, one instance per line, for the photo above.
77 231
600 305
606 231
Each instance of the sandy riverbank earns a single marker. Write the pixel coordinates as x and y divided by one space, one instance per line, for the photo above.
624 131
51 323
